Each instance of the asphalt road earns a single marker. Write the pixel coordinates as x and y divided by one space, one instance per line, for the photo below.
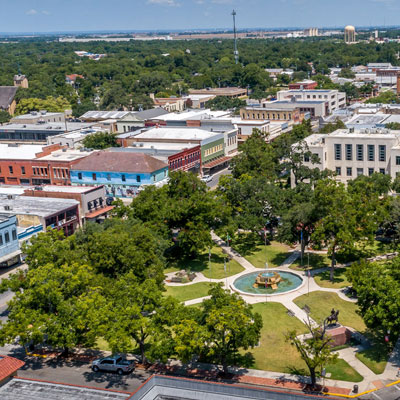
215 178
74 372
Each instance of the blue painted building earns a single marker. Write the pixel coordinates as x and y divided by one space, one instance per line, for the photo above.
122 173
9 245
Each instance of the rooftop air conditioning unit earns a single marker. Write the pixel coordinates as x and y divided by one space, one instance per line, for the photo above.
10 196
7 207
64 150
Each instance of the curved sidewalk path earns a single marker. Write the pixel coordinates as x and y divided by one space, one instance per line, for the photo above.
370 379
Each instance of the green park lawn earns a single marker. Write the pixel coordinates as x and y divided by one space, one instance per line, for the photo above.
315 261
253 249
201 264
339 279
375 358
275 354
188 292
321 304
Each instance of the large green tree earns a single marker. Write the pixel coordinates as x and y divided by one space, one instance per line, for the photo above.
53 304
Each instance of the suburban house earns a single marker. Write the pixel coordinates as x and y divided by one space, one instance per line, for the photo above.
122 173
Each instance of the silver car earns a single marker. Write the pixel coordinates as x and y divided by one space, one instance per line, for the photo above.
114 364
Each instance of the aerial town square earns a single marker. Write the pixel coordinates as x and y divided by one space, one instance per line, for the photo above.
199 200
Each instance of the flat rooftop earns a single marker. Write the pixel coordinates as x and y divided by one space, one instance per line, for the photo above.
232 91
37 115
176 133
39 206
20 151
157 146
68 155
21 389
193 115
69 189
47 127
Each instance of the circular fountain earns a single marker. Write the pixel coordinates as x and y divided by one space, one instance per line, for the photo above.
267 283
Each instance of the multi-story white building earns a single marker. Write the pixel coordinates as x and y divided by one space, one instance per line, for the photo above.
333 98
350 154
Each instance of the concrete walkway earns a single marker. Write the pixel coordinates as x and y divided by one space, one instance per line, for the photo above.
370 379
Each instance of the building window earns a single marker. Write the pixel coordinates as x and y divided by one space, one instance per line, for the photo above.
7 237
306 158
338 151
1 240
94 176
14 234
349 171
371 152
123 177
137 178
360 152
79 175
370 171
10 169
382 153
338 171
109 177
165 172
349 152
397 160
360 171
154 178
23 170
382 171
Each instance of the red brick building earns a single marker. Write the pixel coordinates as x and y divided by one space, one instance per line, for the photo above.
36 164
304 85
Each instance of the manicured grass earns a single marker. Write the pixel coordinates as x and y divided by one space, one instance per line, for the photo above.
339 279
321 304
188 292
201 264
342 371
375 358
275 254
275 354
254 250
315 261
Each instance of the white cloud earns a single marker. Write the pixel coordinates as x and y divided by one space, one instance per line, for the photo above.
170 3
45 12
32 11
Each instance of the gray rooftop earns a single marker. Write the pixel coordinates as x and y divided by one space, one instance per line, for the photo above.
151 113
7 94
20 389
40 206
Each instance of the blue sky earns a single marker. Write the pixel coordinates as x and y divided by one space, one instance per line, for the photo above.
73 15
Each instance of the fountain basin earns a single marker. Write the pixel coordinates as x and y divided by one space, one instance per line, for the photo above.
245 284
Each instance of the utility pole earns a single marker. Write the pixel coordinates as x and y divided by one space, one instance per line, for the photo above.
235 53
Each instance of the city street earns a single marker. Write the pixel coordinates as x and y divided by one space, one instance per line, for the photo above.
215 178
74 372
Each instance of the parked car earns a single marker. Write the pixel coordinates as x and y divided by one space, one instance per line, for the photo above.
116 364
206 178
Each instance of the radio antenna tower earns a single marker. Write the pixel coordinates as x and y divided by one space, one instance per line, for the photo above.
235 53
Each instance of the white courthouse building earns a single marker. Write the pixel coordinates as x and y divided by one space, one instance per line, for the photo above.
350 154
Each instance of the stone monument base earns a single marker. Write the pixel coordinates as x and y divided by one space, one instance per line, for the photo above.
340 336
